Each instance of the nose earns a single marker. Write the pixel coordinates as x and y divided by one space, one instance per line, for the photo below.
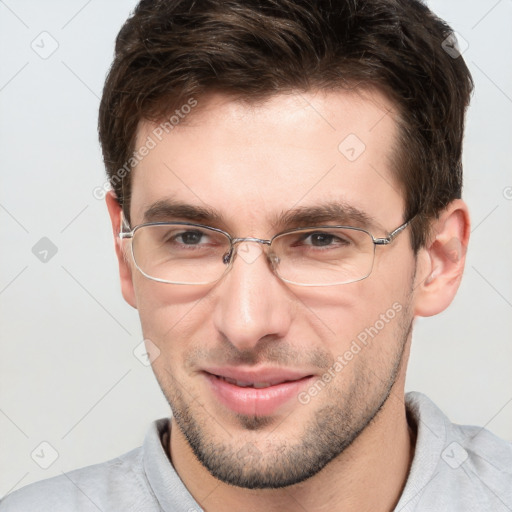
252 303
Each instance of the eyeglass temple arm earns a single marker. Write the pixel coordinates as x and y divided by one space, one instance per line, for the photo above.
124 229
387 240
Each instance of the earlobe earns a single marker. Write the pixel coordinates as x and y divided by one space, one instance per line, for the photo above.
442 260
125 269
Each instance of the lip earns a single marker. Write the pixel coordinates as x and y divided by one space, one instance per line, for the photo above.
284 385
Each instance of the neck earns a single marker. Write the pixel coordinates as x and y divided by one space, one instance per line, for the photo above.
369 475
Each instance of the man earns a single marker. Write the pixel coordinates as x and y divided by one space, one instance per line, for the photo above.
286 200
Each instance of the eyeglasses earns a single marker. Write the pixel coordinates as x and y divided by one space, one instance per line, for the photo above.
195 254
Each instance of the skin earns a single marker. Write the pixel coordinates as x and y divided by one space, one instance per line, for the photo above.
350 447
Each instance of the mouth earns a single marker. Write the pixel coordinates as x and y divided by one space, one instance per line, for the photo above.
241 384
259 393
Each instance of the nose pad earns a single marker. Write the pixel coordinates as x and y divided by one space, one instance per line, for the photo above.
227 257
274 260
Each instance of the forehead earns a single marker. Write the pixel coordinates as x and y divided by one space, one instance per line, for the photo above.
252 163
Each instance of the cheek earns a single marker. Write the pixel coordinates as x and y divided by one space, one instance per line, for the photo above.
169 313
362 312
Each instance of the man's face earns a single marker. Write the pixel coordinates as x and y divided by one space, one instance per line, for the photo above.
252 165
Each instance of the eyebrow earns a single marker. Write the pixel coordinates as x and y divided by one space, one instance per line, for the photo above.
333 211
169 209
341 213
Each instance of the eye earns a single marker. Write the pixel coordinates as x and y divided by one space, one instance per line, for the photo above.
320 239
324 239
189 237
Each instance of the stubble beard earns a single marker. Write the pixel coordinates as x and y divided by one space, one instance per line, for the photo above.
324 437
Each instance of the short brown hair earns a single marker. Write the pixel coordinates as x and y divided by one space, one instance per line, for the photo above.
169 51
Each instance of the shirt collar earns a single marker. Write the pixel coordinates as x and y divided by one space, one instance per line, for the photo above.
168 488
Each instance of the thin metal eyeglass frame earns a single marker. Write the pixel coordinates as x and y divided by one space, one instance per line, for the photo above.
234 241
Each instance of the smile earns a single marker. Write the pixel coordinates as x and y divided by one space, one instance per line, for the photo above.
261 393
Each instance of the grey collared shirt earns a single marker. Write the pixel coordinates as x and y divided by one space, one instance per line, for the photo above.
455 468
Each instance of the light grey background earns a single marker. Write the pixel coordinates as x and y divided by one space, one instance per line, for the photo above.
68 376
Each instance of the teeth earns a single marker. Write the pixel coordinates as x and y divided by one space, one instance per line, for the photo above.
259 385
242 384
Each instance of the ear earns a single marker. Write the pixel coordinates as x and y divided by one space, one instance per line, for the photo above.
441 262
123 257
